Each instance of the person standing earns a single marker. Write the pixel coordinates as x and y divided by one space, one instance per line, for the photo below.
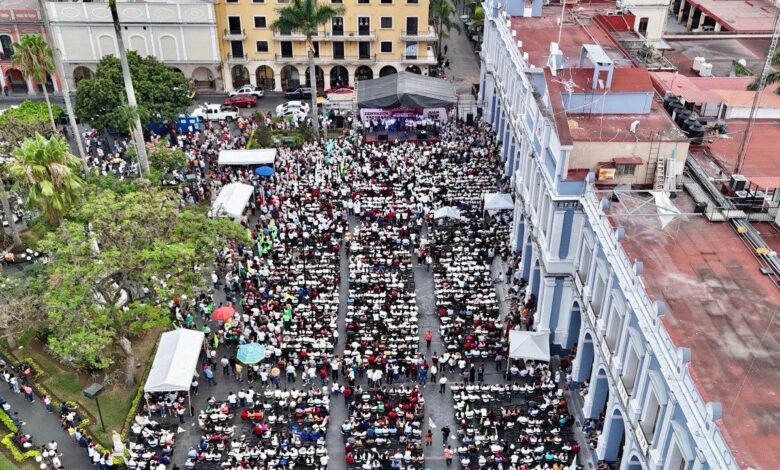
442 383
448 455
445 434
428 339
428 438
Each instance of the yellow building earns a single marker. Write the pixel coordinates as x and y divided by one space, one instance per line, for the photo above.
373 38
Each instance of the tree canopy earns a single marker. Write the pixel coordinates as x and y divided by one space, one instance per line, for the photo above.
33 56
162 93
25 120
115 263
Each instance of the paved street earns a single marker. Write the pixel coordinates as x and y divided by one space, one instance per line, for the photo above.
464 62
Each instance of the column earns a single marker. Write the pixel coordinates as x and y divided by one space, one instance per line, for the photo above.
680 11
252 76
30 87
227 77
702 17
691 14
2 78
544 304
718 27
563 328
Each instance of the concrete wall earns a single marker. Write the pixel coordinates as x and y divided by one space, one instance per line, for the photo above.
597 102
744 113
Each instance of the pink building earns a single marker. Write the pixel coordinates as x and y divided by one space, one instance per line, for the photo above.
19 17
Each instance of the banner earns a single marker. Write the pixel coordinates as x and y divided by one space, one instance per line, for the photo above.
435 114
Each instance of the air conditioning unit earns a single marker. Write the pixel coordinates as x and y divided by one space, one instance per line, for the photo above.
738 183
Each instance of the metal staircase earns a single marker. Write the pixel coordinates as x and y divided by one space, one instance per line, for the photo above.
659 183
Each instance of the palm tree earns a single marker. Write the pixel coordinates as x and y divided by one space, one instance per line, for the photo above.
135 127
307 16
47 173
33 56
441 13
772 76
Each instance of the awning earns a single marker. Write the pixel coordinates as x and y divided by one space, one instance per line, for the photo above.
498 201
405 89
627 161
232 200
175 362
247 157
448 212
529 345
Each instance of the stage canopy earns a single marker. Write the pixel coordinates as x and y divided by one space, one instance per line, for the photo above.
405 89
247 157
232 200
498 201
529 345
175 362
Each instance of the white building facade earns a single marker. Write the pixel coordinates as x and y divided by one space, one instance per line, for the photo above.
183 35
588 291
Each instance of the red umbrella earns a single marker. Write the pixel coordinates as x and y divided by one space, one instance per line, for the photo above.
223 313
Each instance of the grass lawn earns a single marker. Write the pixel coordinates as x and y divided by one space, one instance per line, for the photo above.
8 464
67 384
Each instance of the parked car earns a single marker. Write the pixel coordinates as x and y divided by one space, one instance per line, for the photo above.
302 92
298 109
216 112
241 101
255 91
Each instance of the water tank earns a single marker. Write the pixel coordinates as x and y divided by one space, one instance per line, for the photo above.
675 109
668 99
675 100
696 134
706 70
681 116
700 208
688 123
697 63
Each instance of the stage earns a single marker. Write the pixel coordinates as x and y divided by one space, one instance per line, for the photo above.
401 136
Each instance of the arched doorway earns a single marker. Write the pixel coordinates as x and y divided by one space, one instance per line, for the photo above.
387 70
339 77
363 73
240 76
177 70
203 79
634 463
80 73
598 395
584 359
319 75
264 75
49 85
15 81
414 69
615 435
290 78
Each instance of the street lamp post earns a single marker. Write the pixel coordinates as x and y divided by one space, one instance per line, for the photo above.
92 392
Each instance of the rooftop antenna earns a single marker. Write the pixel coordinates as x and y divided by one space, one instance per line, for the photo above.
560 26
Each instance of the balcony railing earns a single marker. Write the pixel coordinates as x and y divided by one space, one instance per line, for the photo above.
238 59
346 59
428 59
234 34
356 36
428 35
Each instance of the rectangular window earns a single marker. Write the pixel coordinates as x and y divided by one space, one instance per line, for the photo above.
387 2
625 170
411 25
286 49
237 49
364 26
386 46
386 22
364 50
261 46
231 1
413 2
260 22
362 2
337 1
338 50
234 24
337 25
316 45
258 1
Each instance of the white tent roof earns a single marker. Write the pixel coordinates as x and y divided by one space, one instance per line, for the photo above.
447 211
175 361
529 345
498 201
232 200
247 157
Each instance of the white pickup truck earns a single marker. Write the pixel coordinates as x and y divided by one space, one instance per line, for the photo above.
216 112
255 91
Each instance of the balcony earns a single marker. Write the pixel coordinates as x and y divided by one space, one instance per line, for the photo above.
238 59
327 36
346 59
428 59
234 35
294 36
420 36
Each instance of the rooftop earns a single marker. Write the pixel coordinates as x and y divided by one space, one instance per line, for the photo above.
723 309
761 163
615 127
744 16
721 53
624 80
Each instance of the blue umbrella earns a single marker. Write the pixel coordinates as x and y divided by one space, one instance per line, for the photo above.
251 353
264 171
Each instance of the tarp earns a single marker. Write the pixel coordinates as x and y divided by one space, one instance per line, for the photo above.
232 200
175 362
498 201
448 212
529 345
247 157
405 89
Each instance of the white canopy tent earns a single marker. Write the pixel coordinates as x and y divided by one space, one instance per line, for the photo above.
448 212
247 157
531 345
175 362
498 201
232 200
